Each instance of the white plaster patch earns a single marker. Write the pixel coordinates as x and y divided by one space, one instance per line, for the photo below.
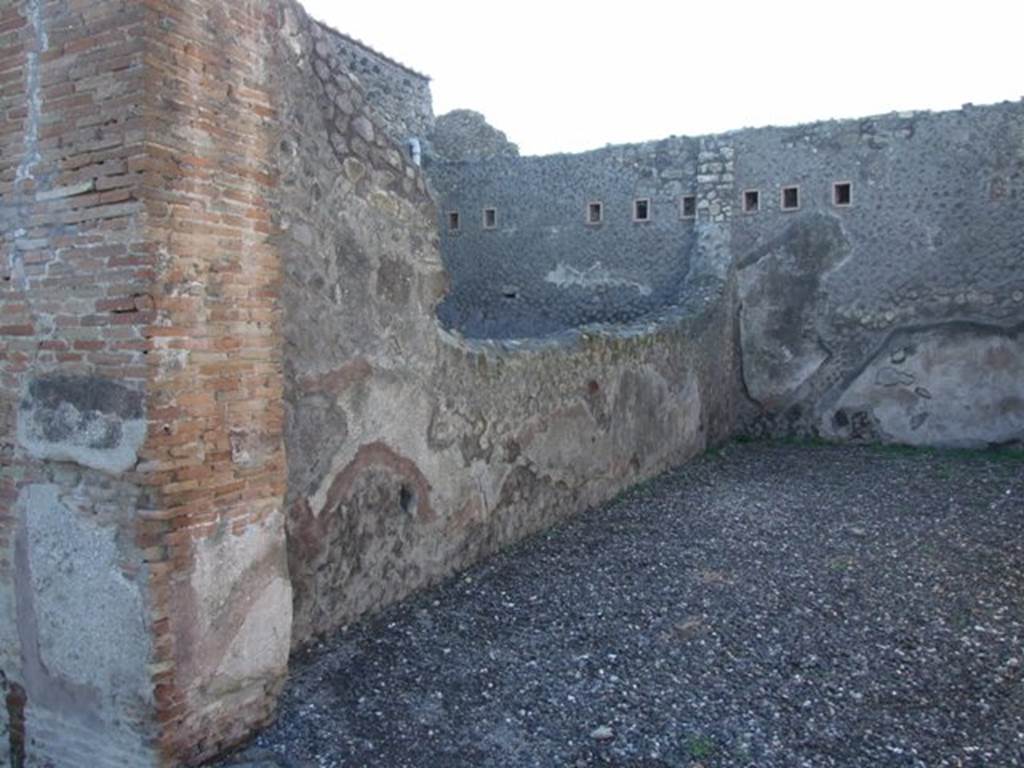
595 276
956 387
231 574
91 619
257 648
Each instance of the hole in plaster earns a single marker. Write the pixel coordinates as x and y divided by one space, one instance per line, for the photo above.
453 221
595 212
642 209
407 500
790 198
688 206
842 193
490 218
751 201
510 292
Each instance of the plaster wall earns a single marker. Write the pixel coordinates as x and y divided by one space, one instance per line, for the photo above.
894 318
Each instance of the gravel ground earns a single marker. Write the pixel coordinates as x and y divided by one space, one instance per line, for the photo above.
766 605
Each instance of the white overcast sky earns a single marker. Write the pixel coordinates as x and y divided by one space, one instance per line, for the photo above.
563 75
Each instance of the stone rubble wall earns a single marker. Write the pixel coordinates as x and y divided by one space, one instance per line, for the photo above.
544 269
463 135
847 313
400 96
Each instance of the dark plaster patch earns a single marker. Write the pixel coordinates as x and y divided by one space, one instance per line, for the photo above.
97 408
394 281
15 701
780 302
87 394
363 545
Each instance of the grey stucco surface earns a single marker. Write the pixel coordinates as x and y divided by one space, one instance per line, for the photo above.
90 619
957 384
544 269
80 615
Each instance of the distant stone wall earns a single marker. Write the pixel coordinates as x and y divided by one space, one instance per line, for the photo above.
925 257
464 135
400 96
544 268
897 317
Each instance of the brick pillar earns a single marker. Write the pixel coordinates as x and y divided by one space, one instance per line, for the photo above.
221 596
145 608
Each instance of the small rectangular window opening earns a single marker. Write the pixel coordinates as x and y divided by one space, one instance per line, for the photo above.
490 218
751 201
688 207
790 198
842 193
642 209
595 213
453 221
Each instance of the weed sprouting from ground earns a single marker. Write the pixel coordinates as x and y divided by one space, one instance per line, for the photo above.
700 747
